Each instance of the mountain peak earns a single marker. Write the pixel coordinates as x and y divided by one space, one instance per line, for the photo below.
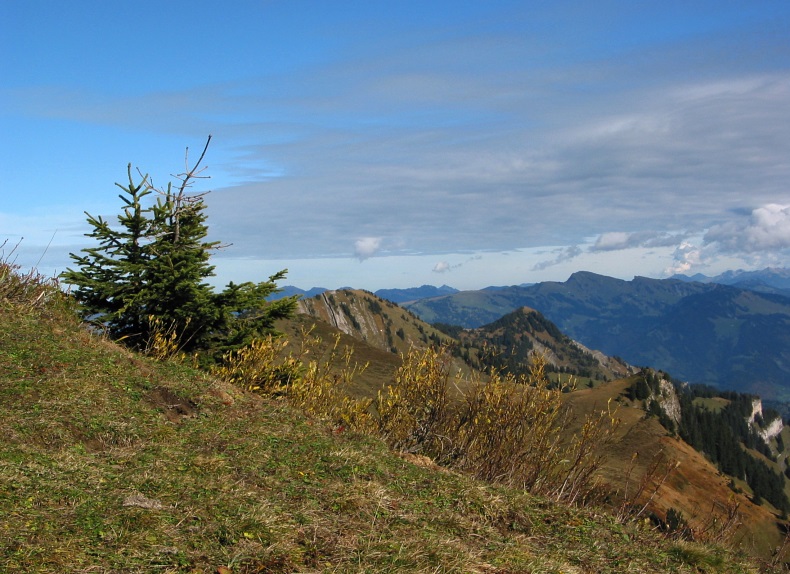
587 276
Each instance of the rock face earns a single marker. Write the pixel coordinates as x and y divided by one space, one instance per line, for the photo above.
667 398
618 367
669 401
769 429
366 317
350 312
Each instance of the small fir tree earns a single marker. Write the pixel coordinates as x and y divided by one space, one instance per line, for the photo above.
148 275
175 277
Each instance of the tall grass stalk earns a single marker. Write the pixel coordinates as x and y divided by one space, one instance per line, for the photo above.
28 289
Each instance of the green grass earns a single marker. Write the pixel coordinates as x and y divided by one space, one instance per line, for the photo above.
110 462
713 404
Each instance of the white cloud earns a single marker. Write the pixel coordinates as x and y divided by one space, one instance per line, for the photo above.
612 240
767 228
445 266
366 247
563 255
685 257
618 240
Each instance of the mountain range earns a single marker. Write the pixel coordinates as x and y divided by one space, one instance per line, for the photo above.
768 280
730 331
395 295
703 333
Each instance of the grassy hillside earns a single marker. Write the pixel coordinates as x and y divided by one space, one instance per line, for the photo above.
111 462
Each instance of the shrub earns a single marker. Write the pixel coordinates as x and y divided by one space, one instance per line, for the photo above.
505 429
413 410
317 386
262 366
321 390
514 430
164 341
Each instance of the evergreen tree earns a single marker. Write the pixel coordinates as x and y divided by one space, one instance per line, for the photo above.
110 277
149 275
243 313
178 296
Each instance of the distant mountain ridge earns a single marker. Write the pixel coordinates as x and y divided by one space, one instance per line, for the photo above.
706 333
397 296
768 280
414 293
290 291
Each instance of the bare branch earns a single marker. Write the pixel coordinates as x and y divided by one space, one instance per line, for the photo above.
192 173
186 178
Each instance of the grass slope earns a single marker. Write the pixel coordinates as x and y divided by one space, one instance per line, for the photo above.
110 462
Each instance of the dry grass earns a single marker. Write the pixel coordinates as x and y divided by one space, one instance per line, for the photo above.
26 290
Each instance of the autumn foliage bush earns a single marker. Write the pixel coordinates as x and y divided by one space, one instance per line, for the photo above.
506 429
502 428
413 412
312 380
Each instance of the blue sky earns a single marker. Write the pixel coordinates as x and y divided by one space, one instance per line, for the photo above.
393 144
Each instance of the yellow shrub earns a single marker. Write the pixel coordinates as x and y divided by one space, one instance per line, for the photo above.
262 366
164 342
412 411
322 389
317 386
505 429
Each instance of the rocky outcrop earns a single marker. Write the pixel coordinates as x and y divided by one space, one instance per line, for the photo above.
377 322
768 429
668 400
